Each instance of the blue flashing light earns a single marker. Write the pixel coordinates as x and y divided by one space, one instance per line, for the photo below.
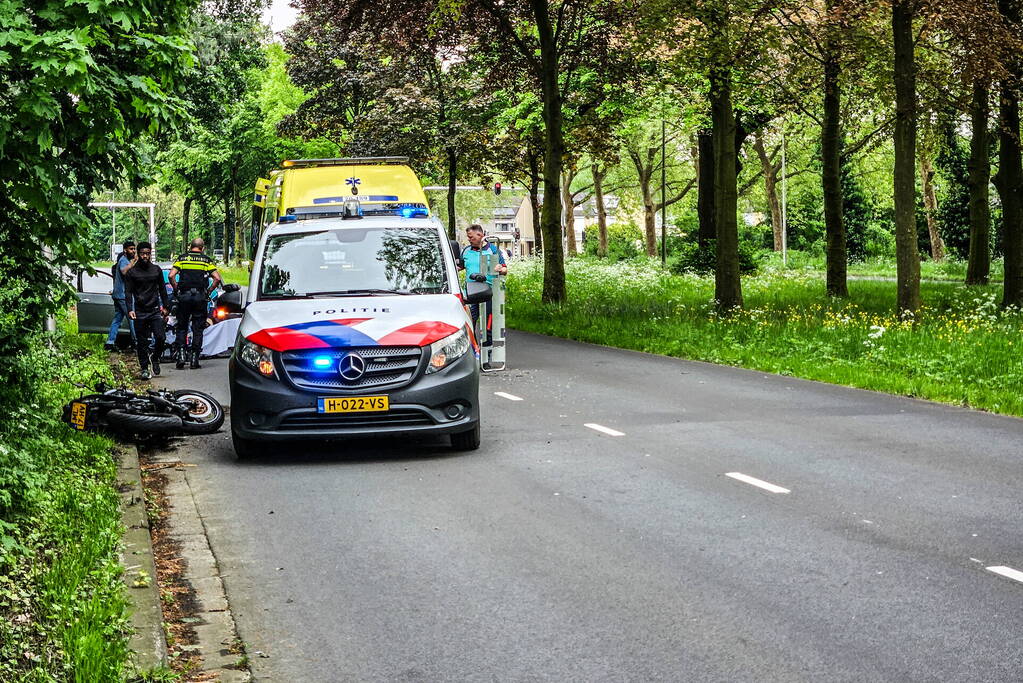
288 219
409 212
322 362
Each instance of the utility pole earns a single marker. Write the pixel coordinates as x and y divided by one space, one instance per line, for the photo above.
664 206
784 203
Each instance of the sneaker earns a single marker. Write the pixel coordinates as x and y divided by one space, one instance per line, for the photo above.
109 347
195 363
156 367
146 374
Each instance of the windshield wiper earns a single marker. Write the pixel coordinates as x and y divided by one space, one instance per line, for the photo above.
284 296
359 292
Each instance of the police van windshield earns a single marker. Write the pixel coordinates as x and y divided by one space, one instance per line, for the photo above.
353 262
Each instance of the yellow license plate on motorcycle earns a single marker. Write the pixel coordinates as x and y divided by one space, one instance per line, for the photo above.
353 404
78 411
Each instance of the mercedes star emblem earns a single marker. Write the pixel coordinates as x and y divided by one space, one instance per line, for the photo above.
352 367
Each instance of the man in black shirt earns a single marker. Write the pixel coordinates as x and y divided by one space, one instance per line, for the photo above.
146 297
194 276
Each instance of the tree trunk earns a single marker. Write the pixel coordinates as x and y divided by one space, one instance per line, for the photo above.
569 209
931 207
598 198
225 234
535 177
770 172
554 149
644 173
568 202
727 285
978 267
649 218
907 253
705 188
173 237
239 232
452 184
204 218
837 284
1009 179
186 215
534 207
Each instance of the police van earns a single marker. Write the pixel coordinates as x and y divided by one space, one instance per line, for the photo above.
354 322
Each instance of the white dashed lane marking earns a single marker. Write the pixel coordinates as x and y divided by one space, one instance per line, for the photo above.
603 429
1008 572
753 481
510 397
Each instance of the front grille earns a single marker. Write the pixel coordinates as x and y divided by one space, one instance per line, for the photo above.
386 367
393 418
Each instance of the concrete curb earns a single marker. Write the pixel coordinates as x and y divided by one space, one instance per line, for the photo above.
148 643
213 622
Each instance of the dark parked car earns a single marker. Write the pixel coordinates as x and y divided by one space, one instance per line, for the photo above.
96 305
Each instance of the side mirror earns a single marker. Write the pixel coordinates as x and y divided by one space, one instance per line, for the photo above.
231 300
477 292
456 251
231 288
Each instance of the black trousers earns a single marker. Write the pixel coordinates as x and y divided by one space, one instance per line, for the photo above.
149 324
191 313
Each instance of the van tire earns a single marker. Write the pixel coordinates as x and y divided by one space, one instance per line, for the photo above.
245 449
469 440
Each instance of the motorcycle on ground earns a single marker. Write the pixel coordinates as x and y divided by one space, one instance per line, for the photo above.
159 412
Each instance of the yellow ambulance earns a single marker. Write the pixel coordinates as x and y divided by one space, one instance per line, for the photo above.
319 188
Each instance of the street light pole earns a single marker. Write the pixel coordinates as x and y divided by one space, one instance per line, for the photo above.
664 207
784 204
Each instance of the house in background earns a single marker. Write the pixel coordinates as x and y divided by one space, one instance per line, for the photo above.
511 224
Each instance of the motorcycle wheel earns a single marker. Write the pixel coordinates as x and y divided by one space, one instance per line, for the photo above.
206 414
144 423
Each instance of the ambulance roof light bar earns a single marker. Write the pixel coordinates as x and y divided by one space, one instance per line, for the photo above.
352 161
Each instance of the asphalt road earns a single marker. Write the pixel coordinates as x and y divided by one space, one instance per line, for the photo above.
563 552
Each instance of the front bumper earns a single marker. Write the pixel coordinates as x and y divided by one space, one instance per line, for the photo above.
274 409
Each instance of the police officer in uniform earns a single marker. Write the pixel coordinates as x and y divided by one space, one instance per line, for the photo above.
193 276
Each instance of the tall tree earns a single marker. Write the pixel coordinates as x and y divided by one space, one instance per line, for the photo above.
554 43
1009 179
770 168
978 267
643 146
831 155
907 253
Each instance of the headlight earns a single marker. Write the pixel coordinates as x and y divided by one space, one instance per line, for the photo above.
257 357
446 351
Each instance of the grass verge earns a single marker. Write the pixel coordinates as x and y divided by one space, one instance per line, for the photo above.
961 350
238 275
950 270
63 613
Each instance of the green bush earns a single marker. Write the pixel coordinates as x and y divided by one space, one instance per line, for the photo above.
624 241
689 257
63 615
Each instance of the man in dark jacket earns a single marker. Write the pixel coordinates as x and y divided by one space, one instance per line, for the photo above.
194 276
146 297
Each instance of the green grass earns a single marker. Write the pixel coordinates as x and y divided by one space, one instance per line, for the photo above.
950 270
63 614
238 275
961 350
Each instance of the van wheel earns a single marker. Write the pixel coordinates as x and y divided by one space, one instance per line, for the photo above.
245 449
468 440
